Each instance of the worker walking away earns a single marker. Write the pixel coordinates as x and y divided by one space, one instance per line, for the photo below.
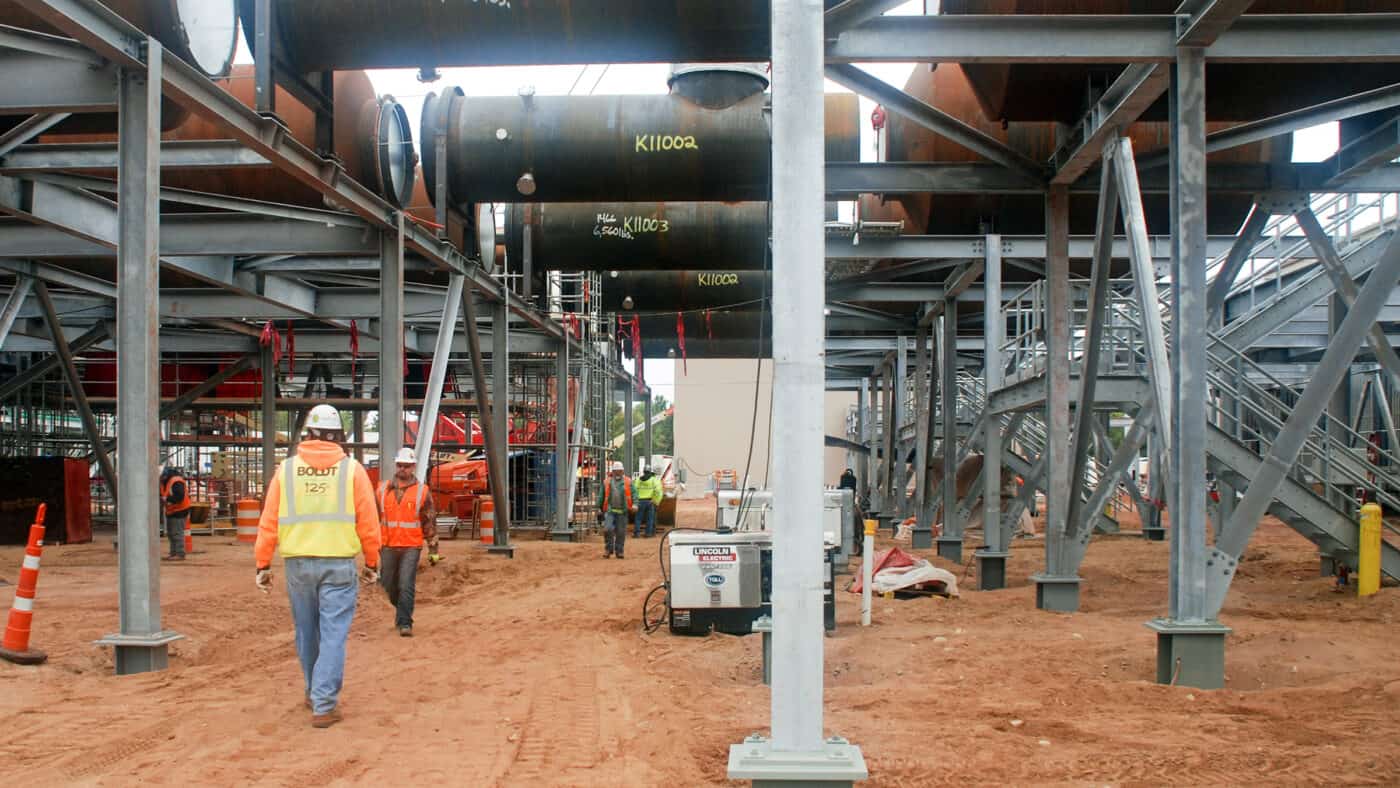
175 494
649 494
409 520
614 505
320 511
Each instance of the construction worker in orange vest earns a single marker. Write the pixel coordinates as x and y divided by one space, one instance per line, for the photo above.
614 505
320 510
409 520
175 494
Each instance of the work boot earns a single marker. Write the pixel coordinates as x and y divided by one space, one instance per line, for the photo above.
173 558
406 632
326 720
307 701
607 555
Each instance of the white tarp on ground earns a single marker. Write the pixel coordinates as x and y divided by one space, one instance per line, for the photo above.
899 577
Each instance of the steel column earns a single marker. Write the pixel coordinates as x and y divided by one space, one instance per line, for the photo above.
490 428
901 464
950 542
141 645
1057 588
799 750
12 305
923 417
991 559
75 385
437 375
863 436
629 453
391 350
500 417
268 421
563 471
646 433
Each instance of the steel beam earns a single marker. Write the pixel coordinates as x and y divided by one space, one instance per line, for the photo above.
1346 288
849 13
490 429
391 352
437 375
950 542
1122 103
23 284
1118 38
500 414
1200 22
991 558
936 121
1239 254
971 247
102 156
1123 457
1057 589
923 417
89 338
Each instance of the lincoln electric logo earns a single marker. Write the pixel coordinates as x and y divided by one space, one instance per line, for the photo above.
714 279
713 554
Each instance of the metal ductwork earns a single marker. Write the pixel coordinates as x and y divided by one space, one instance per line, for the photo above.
329 35
632 148
629 236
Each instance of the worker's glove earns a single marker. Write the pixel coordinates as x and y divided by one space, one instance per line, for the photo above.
264 580
632 509
433 547
434 559
369 575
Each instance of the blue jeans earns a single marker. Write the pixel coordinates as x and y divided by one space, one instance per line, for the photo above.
646 512
398 567
323 593
614 532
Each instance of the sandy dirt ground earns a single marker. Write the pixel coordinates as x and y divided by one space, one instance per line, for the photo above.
534 671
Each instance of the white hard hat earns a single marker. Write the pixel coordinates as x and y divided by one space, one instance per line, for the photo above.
616 466
324 417
405 457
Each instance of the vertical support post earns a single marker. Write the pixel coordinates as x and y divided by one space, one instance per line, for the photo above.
75 385
490 428
889 431
391 355
264 87
863 435
13 304
437 375
563 470
950 541
141 645
991 559
923 396
268 418
797 751
1339 409
646 433
628 448
1190 643
901 416
500 417
1056 589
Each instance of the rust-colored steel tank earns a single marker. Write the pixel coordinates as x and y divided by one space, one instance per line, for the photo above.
372 139
1237 91
947 88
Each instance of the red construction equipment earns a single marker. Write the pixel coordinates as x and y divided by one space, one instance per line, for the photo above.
15 646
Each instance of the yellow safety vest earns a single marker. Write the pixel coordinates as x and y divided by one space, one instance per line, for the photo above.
316 516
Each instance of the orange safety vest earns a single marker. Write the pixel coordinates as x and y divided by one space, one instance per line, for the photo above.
401 526
181 505
626 488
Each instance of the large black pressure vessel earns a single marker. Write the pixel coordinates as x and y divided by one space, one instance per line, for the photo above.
639 236
721 334
685 291
633 148
321 35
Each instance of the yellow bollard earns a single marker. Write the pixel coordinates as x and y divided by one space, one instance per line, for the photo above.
1368 565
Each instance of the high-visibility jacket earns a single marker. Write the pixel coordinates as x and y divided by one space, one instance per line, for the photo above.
649 489
182 504
316 514
401 506
607 492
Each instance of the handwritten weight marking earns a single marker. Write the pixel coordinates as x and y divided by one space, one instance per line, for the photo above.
651 143
608 226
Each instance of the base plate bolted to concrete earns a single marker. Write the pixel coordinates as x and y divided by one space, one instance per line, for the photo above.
991 570
29 656
950 548
1190 654
1154 534
1057 593
838 763
921 538
506 550
565 535
140 653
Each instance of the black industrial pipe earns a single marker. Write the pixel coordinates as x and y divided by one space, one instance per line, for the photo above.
628 236
632 148
328 35
646 292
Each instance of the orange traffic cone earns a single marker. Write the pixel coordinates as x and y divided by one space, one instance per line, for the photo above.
15 646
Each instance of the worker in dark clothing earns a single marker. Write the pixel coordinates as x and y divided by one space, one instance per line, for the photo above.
848 480
175 497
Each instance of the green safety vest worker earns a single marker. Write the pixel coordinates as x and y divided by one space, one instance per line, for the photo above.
649 489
